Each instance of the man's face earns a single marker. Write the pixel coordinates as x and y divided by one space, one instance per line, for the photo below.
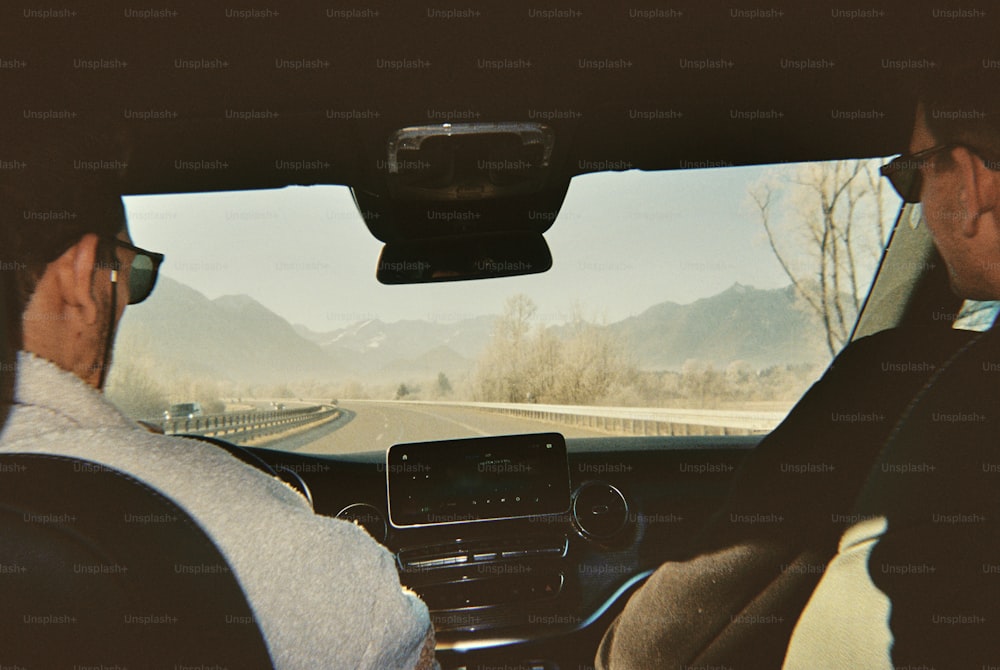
945 198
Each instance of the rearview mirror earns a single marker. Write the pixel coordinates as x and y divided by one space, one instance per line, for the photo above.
465 257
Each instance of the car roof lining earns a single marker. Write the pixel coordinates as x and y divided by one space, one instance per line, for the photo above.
619 91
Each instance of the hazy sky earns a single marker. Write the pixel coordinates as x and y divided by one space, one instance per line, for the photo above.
622 242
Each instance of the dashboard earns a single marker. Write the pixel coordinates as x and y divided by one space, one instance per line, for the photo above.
531 582
477 479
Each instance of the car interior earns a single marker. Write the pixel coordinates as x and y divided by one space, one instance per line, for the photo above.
458 132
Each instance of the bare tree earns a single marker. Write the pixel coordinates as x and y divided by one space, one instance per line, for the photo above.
840 210
701 383
501 375
525 362
591 363
136 391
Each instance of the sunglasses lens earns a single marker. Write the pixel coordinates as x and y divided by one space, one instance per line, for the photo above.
141 278
906 180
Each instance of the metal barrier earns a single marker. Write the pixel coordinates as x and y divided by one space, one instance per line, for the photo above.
249 425
633 420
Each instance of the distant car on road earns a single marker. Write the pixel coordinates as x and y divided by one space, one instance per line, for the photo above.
183 410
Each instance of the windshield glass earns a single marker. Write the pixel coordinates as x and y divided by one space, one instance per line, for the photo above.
686 302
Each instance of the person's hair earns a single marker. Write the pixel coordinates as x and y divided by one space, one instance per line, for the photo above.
58 190
961 104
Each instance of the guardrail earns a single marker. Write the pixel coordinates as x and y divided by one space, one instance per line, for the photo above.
249 425
633 420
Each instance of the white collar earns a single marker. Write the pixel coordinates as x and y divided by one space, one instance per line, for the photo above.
48 398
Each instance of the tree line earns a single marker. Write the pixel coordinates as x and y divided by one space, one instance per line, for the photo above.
581 363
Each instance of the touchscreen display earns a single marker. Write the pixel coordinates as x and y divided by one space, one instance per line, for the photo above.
453 481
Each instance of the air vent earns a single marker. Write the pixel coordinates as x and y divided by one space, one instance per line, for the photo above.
492 591
481 551
599 510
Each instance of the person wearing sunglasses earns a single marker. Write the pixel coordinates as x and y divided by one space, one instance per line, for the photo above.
920 565
956 182
885 554
323 593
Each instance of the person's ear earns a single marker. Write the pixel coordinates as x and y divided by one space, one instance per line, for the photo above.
986 189
75 276
980 191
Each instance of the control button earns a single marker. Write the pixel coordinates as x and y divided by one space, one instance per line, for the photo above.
599 510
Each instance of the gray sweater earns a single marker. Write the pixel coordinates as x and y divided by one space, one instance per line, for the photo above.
325 594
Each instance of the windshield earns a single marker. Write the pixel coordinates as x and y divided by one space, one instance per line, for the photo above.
686 302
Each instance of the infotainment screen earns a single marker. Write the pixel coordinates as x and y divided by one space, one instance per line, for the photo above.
455 481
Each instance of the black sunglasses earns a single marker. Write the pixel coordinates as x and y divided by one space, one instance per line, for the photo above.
142 275
904 172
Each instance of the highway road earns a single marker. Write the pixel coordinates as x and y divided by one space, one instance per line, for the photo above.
377 425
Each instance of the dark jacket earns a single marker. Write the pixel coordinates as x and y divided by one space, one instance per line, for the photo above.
735 601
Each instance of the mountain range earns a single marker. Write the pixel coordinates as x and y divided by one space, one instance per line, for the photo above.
235 338
761 327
